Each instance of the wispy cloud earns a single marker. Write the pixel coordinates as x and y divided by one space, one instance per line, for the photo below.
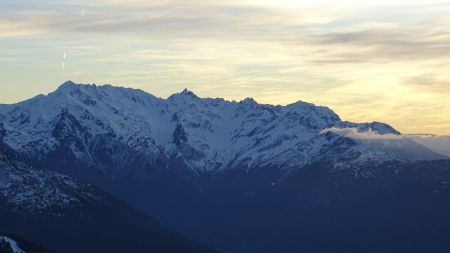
431 82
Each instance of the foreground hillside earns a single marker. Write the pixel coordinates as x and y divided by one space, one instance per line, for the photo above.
65 215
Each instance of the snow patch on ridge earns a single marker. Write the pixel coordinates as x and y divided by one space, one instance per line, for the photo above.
14 247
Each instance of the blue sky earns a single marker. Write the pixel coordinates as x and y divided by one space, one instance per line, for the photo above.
386 61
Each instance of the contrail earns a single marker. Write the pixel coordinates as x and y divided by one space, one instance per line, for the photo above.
63 66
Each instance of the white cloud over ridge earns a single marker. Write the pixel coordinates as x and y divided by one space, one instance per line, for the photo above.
438 144
354 133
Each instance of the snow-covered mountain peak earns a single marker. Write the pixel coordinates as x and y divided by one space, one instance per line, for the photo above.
185 96
67 84
201 133
301 106
70 88
73 89
312 116
187 92
248 102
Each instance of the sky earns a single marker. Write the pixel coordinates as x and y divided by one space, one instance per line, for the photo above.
385 61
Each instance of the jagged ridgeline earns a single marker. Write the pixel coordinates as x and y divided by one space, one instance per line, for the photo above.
124 131
238 176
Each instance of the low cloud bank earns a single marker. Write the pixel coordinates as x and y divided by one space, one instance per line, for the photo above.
358 135
436 143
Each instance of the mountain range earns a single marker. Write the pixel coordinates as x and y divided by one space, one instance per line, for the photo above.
224 173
